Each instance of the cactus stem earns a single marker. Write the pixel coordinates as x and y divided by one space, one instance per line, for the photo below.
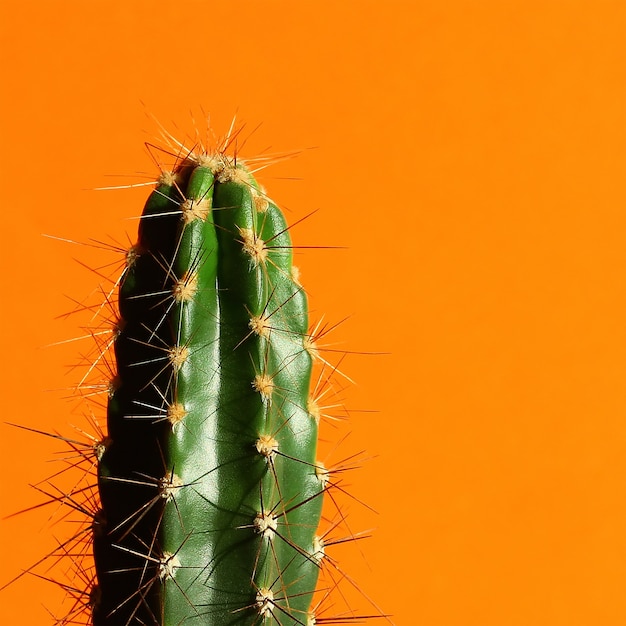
209 488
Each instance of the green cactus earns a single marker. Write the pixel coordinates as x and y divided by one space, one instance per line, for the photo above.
210 489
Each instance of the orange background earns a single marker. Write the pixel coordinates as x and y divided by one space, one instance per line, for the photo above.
470 157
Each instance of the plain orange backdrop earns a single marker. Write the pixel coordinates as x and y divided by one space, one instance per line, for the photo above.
467 161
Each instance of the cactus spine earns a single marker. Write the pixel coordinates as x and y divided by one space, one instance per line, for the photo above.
210 490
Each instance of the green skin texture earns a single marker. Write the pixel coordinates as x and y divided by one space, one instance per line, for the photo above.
179 539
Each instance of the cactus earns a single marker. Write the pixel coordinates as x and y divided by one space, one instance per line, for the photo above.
209 486
208 491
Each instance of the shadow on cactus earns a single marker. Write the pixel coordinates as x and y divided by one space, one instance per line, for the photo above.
209 491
